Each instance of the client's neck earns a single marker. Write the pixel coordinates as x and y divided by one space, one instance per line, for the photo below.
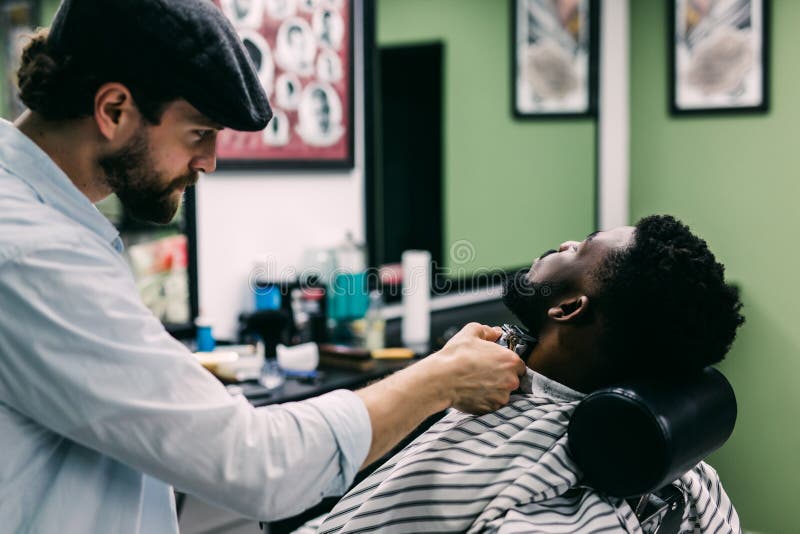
573 367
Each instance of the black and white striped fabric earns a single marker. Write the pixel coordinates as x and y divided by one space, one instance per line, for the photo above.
507 471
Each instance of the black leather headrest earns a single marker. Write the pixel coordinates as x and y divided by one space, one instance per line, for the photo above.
636 438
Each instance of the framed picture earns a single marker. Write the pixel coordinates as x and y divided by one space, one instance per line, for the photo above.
303 52
718 52
554 63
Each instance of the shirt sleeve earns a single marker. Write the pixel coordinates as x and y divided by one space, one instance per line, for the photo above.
81 355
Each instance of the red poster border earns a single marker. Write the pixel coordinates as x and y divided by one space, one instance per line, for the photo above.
347 162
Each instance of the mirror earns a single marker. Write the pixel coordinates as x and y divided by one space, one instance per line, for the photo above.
508 189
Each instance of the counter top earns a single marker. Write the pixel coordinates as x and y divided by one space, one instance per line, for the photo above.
329 379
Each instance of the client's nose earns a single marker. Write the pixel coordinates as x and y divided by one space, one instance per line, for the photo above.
567 244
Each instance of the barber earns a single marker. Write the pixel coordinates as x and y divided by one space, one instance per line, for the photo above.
101 411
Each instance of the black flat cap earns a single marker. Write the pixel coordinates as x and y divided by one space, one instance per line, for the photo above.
188 44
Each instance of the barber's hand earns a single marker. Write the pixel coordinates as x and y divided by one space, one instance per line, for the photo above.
481 373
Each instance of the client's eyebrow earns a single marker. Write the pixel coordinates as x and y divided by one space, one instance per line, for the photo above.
592 235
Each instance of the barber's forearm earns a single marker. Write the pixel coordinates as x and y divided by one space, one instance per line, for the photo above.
401 402
471 373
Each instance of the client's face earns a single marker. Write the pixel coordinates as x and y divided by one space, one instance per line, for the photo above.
560 273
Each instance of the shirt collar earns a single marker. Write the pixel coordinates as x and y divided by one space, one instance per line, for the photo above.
535 383
23 158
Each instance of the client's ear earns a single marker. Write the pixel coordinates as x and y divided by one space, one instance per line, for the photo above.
569 309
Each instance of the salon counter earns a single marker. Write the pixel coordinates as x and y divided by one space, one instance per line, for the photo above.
329 379
444 323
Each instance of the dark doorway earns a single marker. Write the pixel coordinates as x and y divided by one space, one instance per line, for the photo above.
406 210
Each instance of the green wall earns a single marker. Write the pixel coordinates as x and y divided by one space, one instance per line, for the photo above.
532 181
735 181
49 9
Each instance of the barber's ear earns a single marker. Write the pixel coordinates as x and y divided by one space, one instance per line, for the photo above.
115 113
569 309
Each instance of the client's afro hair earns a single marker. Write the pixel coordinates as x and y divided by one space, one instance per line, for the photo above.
664 302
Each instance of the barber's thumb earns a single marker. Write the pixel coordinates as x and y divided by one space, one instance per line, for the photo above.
489 333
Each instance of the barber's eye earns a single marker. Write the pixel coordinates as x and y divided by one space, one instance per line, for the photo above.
574 248
202 134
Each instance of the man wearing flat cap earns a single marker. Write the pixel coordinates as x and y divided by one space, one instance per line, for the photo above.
101 411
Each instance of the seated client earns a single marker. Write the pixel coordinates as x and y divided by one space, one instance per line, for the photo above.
649 300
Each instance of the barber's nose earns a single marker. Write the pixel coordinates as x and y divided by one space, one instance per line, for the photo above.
207 163
566 245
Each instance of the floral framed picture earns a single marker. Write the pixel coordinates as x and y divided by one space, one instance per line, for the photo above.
303 53
718 56
554 58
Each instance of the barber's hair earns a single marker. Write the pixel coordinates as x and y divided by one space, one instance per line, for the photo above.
664 302
60 88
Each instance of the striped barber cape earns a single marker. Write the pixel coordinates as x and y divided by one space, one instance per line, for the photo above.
508 471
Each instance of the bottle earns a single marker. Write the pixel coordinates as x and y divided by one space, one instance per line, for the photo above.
264 284
349 299
271 375
374 338
301 326
313 304
416 322
205 337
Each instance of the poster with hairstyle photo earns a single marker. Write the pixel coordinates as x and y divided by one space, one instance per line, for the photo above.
261 56
303 52
328 27
554 58
280 9
243 13
718 56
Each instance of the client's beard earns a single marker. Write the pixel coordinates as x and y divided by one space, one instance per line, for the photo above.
529 301
140 187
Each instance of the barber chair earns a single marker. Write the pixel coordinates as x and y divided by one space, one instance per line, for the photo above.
633 440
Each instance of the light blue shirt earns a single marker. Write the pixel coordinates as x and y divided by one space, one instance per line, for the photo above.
99 405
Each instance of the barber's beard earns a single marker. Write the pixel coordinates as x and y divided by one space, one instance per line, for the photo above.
145 193
529 301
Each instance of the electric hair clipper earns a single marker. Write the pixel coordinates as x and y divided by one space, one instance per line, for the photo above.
514 338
